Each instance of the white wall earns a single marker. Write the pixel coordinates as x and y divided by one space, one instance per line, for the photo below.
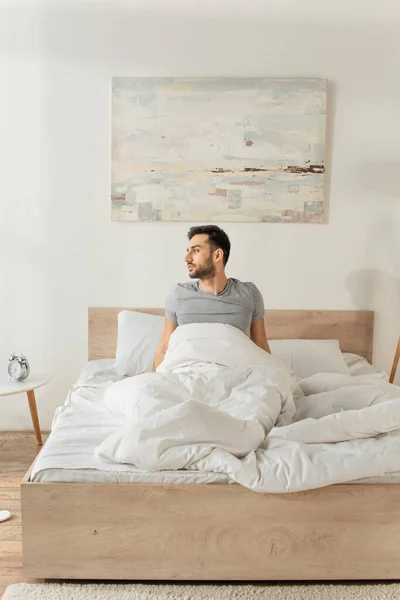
59 250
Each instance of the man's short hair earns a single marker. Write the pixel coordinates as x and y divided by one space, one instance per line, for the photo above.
217 238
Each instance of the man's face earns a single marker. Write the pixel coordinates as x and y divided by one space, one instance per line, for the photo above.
199 258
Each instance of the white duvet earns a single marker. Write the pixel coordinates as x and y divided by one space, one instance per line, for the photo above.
219 403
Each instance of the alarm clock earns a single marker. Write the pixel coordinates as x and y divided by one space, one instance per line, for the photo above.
18 367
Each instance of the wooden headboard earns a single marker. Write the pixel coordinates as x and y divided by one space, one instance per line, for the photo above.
353 328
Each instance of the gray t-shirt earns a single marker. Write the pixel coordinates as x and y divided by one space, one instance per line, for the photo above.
239 304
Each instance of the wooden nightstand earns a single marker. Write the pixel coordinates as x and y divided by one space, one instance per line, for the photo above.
8 387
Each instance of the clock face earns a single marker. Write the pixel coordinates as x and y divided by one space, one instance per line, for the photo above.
14 369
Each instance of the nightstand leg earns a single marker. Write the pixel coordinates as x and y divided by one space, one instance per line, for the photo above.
395 362
34 415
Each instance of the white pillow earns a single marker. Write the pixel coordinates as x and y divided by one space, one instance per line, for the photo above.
138 337
358 365
308 357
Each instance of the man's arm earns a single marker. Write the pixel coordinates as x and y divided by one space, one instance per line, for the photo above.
258 335
257 330
169 328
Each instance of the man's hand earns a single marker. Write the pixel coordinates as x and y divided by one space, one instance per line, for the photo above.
258 335
169 328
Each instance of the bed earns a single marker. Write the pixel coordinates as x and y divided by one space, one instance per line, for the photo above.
130 525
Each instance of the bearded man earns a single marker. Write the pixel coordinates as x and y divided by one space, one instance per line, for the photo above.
213 297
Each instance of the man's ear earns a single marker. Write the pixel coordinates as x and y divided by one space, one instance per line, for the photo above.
219 254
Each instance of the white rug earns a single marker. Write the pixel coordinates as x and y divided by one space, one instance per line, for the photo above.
129 591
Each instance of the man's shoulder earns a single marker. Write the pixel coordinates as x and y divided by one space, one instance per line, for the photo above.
183 288
188 285
244 285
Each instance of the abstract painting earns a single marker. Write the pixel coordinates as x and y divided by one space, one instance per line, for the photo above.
218 150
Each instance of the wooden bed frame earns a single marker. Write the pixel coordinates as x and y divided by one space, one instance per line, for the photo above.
215 531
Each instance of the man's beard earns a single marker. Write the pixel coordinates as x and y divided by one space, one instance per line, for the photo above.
205 271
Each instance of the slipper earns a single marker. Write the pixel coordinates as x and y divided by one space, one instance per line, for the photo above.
4 515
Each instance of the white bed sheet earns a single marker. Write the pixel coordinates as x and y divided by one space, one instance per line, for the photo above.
82 423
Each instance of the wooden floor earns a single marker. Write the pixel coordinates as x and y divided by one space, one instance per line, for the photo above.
17 452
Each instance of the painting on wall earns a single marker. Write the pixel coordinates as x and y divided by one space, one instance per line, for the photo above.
218 150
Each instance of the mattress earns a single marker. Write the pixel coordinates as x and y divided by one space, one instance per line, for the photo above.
82 423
